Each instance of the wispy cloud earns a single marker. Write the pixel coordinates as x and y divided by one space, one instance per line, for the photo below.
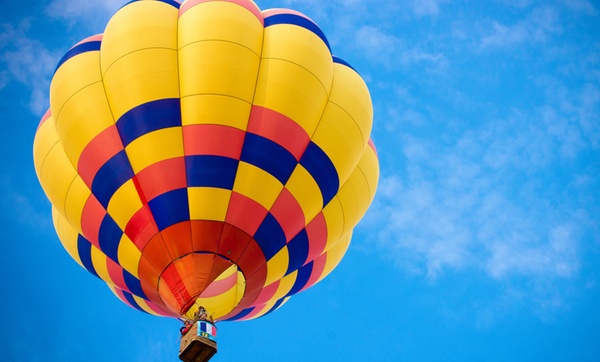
538 26
426 7
584 6
92 15
499 199
26 61
390 50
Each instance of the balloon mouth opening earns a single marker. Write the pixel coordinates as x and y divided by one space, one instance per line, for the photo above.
187 306
201 279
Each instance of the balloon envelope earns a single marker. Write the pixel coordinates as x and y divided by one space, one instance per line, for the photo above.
206 153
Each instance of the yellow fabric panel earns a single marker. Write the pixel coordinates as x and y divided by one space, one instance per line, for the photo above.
82 118
300 46
129 255
73 75
220 305
369 164
99 262
67 235
335 255
208 203
285 285
155 146
306 191
277 266
341 139
218 67
144 305
124 203
257 184
77 196
292 91
57 176
334 217
221 20
141 77
350 93
355 199
215 109
45 139
265 308
139 25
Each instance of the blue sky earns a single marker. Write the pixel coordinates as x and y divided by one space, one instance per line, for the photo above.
483 242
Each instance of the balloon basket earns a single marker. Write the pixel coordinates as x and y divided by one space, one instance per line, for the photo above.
199 342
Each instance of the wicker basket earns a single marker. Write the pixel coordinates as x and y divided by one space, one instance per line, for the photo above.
195 347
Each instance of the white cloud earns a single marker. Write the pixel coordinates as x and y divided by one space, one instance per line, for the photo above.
584 6
484 201
385 48
91 14
26 61
538 26
426 7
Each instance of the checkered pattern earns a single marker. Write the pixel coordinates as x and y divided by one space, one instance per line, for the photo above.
223 157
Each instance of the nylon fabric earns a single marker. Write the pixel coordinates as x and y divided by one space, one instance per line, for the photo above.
209 154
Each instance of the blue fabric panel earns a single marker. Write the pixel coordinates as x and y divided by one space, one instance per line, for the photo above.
84 249
89 46
299 21
132 301
211 171
270 236
298 251
170 208
148 117
269 156
241 314
322 170
109 238
112 175
302 278
174 4
277 304
133 284
343 62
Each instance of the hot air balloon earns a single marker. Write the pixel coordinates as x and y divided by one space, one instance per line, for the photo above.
206 155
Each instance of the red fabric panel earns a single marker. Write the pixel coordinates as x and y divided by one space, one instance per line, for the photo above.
317 271
219 287
161 177
245 3
46 116
233 242
141 227
252 259
211 139
279 129
317 236
178 239
121 296
372 145
219 265
91 218
257 280
116 274
100 149
267 293
206 235
149 280
288 213
172 289
245 213
157 254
